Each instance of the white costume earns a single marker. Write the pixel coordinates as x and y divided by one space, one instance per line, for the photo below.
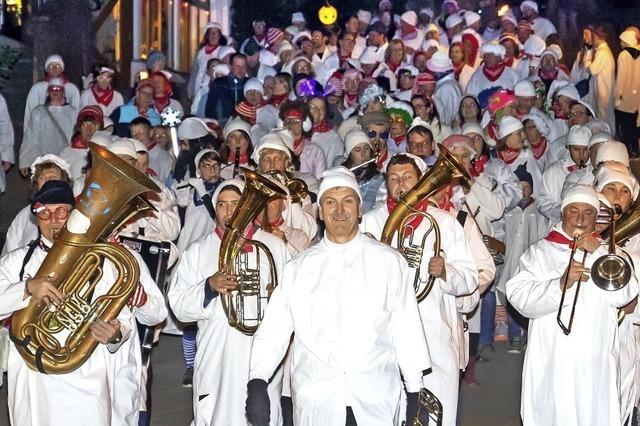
87 98
449 95
551 188
222 361
22 230
77 159
50 400
197 222
543 27
439 314
161 162
583 389
331 145
41 136
480 82
6 140
341 338
38 95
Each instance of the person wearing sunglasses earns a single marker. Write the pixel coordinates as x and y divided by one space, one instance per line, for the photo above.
376 126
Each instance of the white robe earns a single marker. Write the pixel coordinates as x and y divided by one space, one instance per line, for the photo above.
6 140
221 370
331 145
448 93
77 159
526 156
551 189
543 27
42 137
479 82
38 95
54 399
438 310
197 223
87 98
161 162
356 326
602 67
22 230
568 380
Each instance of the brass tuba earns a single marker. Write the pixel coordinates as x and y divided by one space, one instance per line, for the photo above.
445 169
626 226
58 340
234 259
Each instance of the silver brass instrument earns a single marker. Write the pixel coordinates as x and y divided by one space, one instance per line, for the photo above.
566 329
235 257
445 169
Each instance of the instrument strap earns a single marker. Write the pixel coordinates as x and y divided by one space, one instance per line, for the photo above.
473 215
56 124
461 217
32 247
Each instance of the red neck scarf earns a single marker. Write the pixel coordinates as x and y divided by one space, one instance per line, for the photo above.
231 158
573 168
393 66
509 155
548 75
381 159
276 224
509 62
558 238
322 127
539 148
78 143
446 203
399 139
248 234
161 102
350 100
103 97
151 145
493 73
457 69
143 112
276 100
298 146
415 222
150 172
209 48
478 165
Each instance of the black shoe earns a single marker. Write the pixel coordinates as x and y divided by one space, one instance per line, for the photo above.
483 353
187 379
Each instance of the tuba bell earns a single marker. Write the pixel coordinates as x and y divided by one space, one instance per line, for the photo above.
234 258
445 169
58 340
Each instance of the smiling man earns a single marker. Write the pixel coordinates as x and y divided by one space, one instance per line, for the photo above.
349 302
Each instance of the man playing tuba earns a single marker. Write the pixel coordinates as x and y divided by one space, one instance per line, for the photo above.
454 270
221 369
41 399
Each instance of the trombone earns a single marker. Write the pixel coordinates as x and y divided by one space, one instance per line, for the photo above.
609 272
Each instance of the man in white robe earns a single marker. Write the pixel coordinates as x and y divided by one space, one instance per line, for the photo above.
349 302
455 271
569 379
493 73
221 368
39 399
7 157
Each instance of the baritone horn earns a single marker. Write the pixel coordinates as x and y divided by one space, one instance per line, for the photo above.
235 257
445 169
58 340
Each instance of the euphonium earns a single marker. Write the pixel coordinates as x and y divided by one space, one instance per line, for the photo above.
626 226
58 340
234 259
297 188
441 173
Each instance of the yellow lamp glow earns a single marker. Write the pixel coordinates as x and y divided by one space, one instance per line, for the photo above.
328 14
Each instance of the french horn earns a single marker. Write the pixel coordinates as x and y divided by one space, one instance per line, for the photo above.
58 340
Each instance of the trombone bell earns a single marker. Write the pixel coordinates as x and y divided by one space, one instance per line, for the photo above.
611 272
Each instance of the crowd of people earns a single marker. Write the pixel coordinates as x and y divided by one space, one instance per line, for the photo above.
346 121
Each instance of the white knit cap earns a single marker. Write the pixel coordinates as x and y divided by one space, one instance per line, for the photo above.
267 58
224 51
354 138
338 177
581 194
364 16
541 124
56 82
629 37
253 84
551 52
225 184
530 4
292 29
101 138
410 17
279 139
509 125
237 124
54 59
578 136
588 106
413 70
432 27
199 156
193 128
419 122
453 20
431 43
123 146
613 151
534 45
138 145
222 69
557 49
570 92
213 25
494 48
297 17
607 175
524 88
598 126
508 16
419 162
471 18
469 128
50 158
599 138
369 56
285 46
463 141
439 62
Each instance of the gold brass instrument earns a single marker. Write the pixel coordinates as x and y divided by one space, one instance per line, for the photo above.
234 257
445 169
298 189
627 225
609 272
58 340
429 410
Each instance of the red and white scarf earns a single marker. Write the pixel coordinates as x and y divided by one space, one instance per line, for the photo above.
493 73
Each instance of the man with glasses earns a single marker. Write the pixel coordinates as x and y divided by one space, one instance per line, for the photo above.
141 105
376 126
35 398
